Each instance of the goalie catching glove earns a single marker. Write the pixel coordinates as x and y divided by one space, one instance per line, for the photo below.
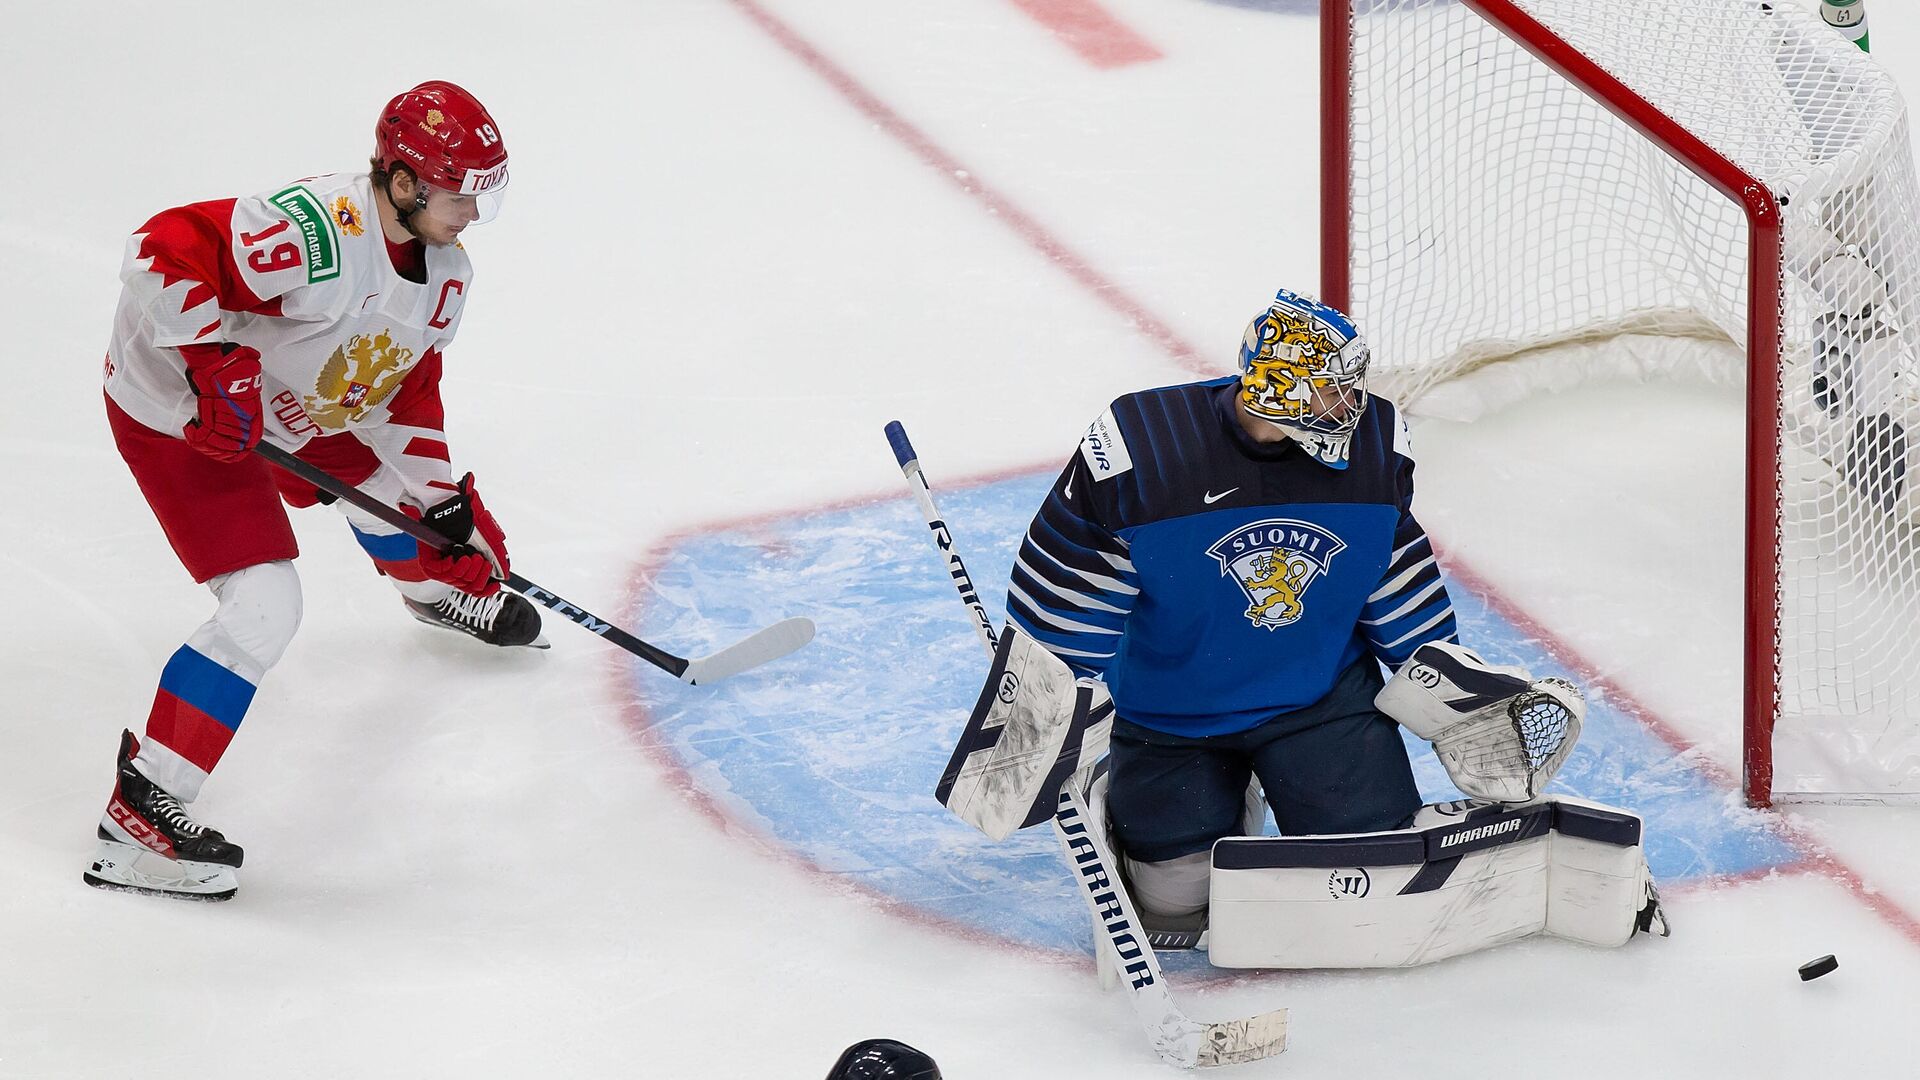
1501 734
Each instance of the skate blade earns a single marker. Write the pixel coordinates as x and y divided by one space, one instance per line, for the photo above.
121 867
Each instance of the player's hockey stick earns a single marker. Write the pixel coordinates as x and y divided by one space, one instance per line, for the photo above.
771 643
1178 1039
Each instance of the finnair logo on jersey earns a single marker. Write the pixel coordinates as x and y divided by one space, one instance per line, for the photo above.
1274 562
1103 448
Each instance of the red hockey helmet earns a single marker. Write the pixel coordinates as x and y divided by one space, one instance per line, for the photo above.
445 137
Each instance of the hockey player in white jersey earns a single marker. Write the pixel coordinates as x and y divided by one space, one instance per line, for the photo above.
314 316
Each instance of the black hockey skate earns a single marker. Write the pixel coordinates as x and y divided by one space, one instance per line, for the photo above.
506 618
148 844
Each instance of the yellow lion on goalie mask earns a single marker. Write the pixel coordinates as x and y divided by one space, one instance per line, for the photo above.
1285 353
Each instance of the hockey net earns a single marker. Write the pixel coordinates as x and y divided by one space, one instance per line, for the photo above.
1525 193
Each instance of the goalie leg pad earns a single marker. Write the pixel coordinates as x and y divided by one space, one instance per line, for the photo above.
1595 879
1468 876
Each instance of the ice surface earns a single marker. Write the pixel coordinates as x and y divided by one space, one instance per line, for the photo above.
723 267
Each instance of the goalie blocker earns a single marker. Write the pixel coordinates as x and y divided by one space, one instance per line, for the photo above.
1033 726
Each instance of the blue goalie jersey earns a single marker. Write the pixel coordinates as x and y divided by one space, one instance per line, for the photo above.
1214 580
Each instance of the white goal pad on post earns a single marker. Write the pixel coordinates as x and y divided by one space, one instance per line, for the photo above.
1521 194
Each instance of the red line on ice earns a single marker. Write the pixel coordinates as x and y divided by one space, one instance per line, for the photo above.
998 204
1092 31
1816 858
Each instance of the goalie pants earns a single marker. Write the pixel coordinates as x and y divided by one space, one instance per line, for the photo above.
1336 766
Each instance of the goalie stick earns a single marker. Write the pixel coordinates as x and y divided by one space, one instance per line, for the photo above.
1178 1039
769 644
942 537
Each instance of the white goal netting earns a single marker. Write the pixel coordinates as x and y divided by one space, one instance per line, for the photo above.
1509 232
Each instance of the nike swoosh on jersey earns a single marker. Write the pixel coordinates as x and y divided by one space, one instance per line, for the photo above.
1210 498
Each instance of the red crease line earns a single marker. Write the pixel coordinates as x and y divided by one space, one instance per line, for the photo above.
1816 858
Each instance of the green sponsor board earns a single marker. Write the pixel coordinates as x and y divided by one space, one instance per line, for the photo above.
316 229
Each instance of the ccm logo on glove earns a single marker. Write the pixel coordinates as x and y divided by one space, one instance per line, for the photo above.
479 547
226 383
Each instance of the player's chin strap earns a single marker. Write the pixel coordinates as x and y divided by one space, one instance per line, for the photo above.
405 217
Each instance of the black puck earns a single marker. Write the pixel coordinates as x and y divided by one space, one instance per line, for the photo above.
1813 969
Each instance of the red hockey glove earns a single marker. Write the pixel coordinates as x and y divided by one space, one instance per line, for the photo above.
226 381
479 547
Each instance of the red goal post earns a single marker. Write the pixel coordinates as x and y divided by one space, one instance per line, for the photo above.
1556 90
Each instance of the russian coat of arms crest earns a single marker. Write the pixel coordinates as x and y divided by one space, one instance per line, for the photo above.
357 377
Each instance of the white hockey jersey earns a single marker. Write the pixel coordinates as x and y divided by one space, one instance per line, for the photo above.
301 274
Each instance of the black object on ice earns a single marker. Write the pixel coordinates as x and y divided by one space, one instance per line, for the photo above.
1813 969
883 1059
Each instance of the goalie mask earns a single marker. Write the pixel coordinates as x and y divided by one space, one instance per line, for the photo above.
1303 368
